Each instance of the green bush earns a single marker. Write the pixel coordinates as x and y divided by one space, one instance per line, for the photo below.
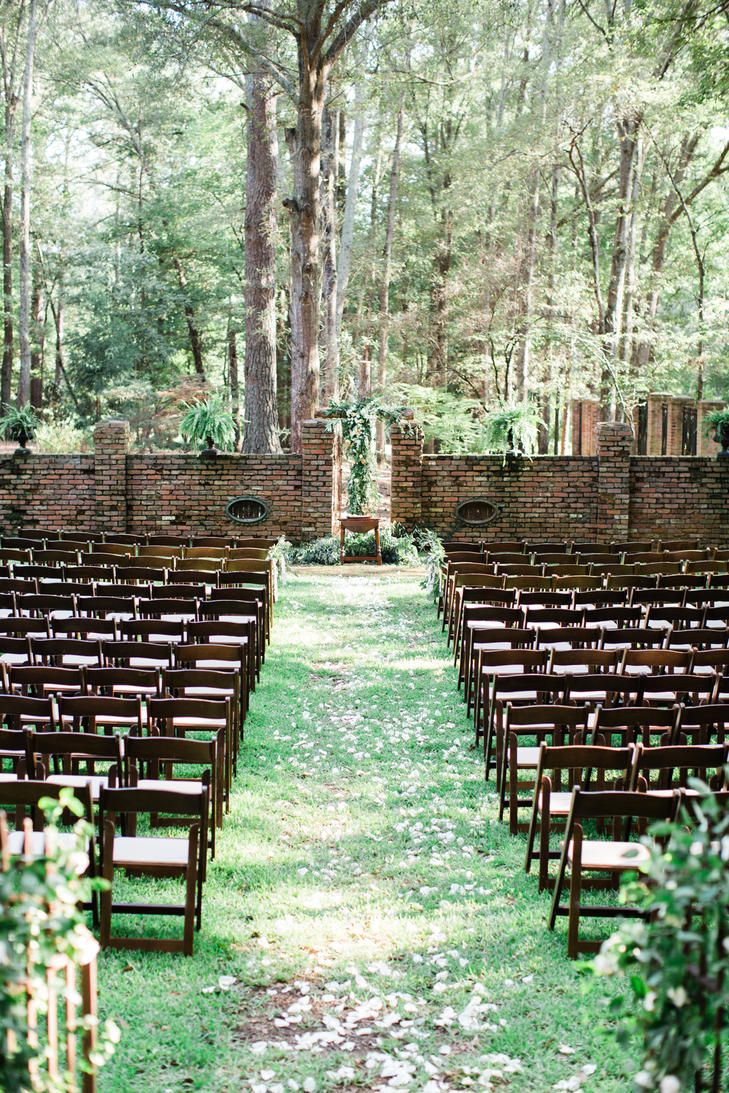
676 962
40 921
396 549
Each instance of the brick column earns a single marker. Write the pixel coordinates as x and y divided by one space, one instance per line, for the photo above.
705 443
585 414
614 441
657 417
111 443
406 471
320 472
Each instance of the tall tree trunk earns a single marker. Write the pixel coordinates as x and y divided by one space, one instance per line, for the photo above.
37 339
26 170
193 331
304 144
8 332
387 273
350 205
329 182
260 433
234 381
628 129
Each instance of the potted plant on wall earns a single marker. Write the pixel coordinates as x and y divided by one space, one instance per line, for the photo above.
512 430
718 421
208 422
19 423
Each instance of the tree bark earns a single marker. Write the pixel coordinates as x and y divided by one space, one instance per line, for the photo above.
330 329
196 346
304 206
350 205
37 339
234 382
8 323
26 168
387 273
260 433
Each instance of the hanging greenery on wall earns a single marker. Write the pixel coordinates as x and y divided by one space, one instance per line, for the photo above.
357 418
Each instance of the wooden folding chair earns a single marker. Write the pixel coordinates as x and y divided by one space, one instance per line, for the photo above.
201 716
496 652
517 760
152 763
101 714
663 770
608 858
589 767
24 712
156 856
520 689
58 756
706 724
44 680
648 725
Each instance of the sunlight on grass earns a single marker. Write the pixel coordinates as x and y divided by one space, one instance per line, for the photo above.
368 918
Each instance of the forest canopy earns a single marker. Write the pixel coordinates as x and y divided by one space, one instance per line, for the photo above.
280 203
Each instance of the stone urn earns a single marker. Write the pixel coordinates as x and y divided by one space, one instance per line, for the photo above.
210 451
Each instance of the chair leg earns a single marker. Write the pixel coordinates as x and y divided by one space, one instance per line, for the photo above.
559 883
108 875
544 832
573 928
532 834
513 789
191 892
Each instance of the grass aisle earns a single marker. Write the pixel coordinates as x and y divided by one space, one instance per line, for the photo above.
368 924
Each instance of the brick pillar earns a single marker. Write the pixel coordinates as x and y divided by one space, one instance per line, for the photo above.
705 443
585 417
111 443
659 421
406 471
675 422
614 441
320 476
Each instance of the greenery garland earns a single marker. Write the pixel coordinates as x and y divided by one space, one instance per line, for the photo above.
357 418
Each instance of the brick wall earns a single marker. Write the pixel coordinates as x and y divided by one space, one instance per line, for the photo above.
540 498
612 495
47 491
680 496
115 491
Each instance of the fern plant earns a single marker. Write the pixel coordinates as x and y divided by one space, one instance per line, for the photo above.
208 421
18 423
513 428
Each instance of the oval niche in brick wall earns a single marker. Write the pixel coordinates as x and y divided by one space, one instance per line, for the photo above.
476 512
248 509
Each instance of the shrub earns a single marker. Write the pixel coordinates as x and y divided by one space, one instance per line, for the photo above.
396 549
676 962
40 921
60 436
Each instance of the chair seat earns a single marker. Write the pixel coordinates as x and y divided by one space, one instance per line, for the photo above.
179 785
65 840
670 792
613 856
559 803
8 777
140 850
204 724
527 757
96 781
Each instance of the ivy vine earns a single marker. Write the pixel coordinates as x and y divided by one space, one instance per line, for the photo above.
357 418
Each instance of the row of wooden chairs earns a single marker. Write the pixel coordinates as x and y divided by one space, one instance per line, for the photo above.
598 711
91 701
569 546
32 537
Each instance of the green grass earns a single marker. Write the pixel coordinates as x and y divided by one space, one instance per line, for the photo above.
373 914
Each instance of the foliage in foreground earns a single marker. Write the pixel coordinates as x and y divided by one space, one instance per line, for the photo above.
676 963
396 549
41 921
